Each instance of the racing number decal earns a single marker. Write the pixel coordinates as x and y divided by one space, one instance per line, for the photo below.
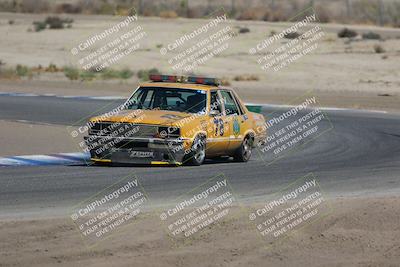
219 126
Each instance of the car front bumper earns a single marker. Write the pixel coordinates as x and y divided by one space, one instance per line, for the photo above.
154 151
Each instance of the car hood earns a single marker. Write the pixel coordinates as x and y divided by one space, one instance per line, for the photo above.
142 116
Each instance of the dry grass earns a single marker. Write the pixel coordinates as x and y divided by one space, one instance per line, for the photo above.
168 14
246 77
361 11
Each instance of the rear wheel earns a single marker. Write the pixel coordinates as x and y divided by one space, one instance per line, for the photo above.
198 152
243 153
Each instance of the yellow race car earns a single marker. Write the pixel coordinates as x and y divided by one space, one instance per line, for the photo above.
176 120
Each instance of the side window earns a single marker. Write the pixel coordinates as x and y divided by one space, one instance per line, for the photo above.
238 104
230 104
215 102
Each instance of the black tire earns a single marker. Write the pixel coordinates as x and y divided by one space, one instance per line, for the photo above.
198 152
243 153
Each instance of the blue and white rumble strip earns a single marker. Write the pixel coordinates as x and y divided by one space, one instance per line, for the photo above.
43 160
82 97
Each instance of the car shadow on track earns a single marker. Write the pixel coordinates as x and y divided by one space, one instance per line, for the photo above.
219 160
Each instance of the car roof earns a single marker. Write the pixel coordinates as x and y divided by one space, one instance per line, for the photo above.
193 86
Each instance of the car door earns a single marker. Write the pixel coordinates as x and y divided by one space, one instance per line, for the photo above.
218 126
236 118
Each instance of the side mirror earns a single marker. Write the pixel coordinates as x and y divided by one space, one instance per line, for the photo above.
214 113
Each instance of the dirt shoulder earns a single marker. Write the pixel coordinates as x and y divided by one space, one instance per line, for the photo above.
342 72
42 139
358 232
251 92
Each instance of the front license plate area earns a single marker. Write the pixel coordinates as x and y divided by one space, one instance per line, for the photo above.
141 154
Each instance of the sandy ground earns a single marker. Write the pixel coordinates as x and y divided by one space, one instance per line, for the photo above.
42 139
358 232
344 74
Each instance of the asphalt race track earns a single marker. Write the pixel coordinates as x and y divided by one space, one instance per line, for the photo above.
359 156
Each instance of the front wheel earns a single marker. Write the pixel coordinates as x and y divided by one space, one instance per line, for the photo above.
197 154
243 153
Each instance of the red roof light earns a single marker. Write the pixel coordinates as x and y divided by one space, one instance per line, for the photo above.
163 78
191 79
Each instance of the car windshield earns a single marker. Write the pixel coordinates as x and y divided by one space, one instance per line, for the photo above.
174 99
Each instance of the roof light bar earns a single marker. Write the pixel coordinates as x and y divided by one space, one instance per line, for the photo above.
163 78
190 79
203 80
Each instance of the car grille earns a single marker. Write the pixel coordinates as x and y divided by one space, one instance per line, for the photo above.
123 129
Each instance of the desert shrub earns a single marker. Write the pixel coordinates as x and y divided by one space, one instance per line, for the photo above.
365 11
168 14
87 75
281 15
225 81
244 30
22 70
393 11
246 77
106 9
68 8
34 6
109 74
7 73
37 69
323 14
11 22
68 20
183 8
71 73
144 74
379 49
39 25
54 22
291 35
268 15
52 68
148 12
371 36
347 33
8 6
124 10
125 73
194 13
249 14
277 14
